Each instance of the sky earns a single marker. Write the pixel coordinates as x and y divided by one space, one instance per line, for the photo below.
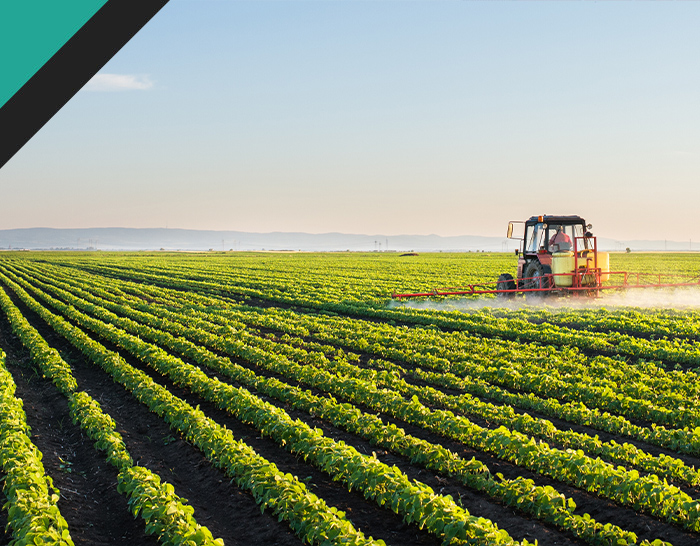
384 117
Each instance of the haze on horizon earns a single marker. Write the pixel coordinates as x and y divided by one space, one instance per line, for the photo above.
446 118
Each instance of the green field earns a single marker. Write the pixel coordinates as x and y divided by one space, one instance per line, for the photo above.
284 398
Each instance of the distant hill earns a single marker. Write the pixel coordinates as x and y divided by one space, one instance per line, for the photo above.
188 240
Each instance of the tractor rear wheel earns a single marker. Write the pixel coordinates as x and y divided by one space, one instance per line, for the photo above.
505 282
537 276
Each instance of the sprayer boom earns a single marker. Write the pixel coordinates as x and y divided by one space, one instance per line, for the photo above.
628 281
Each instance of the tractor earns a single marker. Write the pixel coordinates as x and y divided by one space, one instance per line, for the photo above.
559 255
556 254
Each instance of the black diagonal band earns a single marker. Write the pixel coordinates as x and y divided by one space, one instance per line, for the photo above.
70 69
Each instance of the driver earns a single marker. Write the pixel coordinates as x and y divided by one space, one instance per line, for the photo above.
560 240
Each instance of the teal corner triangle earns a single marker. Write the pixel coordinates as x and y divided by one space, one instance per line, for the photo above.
32 31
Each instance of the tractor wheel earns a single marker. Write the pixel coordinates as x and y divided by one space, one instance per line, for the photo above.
537 275
505 282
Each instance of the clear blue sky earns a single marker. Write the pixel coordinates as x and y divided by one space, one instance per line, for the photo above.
381 118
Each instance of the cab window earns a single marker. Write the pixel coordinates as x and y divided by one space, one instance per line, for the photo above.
535 238
561 237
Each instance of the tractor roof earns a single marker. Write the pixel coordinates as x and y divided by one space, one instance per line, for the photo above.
551 219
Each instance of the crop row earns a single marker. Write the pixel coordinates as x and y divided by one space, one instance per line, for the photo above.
648 323
31 496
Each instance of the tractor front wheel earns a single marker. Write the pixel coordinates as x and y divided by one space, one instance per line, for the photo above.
505 282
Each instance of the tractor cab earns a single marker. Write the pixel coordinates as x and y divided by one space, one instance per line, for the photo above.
547 234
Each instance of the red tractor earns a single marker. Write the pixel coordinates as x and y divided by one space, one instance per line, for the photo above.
559 255
556 254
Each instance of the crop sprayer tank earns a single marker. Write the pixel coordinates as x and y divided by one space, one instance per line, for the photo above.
590 263
565 262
